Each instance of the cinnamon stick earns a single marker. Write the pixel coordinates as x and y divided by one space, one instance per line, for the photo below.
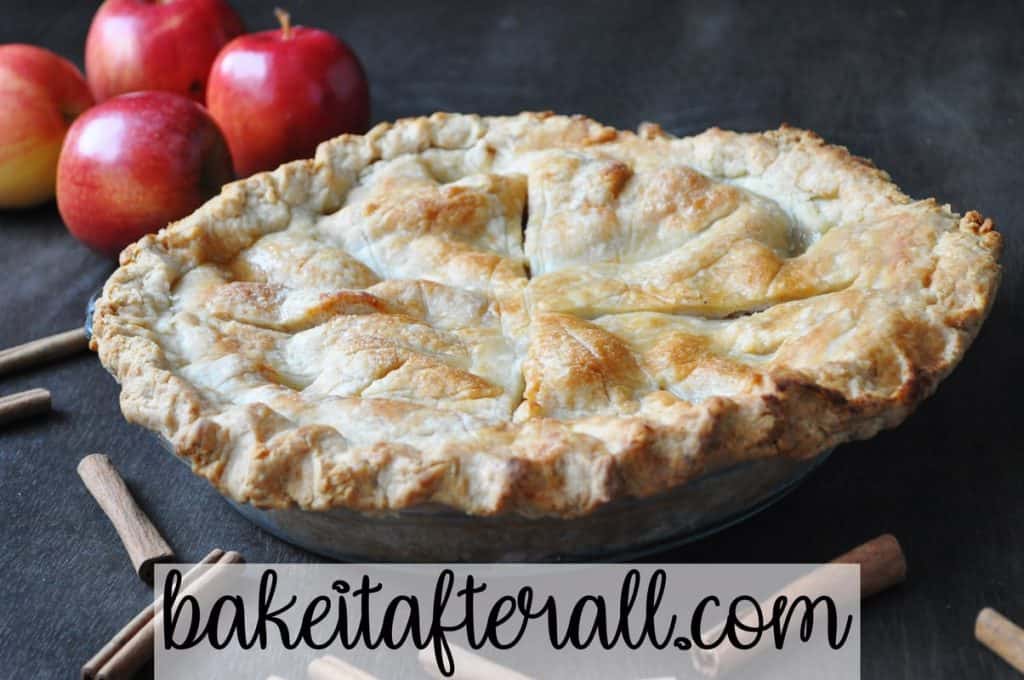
882 566
468 666
1002 636
23 405
333 668
141 539
43 351
132 646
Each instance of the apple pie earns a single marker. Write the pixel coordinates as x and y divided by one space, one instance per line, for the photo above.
538 314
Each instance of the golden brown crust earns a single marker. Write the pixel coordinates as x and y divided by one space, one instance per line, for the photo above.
370 329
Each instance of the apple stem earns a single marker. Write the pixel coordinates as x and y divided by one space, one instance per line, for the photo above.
286 22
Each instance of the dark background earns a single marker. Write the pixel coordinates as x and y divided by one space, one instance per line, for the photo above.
933 92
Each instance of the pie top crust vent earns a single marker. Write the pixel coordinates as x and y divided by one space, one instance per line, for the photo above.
537 314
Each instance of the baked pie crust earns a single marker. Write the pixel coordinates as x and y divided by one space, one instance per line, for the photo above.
537 314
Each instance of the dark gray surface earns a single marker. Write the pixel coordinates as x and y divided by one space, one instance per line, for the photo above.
933 92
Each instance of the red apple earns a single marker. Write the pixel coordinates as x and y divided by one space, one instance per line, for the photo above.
136 162
277 94
157 45
40 95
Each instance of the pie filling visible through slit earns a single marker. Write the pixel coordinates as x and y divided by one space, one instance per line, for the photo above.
538 314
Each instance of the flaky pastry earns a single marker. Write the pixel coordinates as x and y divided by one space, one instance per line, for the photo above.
537 314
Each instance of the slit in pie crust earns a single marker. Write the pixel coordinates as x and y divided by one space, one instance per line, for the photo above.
537 314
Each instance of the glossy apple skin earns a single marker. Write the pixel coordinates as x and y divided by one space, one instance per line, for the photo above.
136 162
276 95
40 95
167 45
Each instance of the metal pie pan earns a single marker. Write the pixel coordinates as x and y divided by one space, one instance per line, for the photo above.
623 529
